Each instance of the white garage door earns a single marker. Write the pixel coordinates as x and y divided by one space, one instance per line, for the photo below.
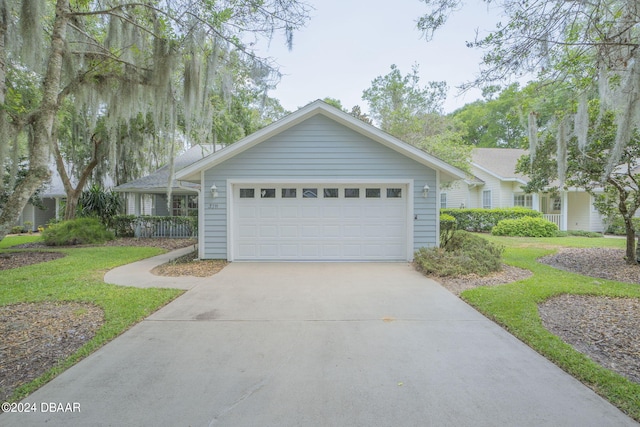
319 222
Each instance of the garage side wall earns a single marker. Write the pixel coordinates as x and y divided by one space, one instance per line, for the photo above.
317 149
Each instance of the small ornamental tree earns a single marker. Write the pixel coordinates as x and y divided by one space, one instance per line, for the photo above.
616 193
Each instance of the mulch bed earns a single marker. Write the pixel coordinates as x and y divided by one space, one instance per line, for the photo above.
21 259
189 265
36 336
605 329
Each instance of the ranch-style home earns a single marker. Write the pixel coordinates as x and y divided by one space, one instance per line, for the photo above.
317 185
495 184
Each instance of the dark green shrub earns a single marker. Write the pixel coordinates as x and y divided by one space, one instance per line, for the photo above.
525 227
465 253
448 226
79 231
96 202
486 219
124 225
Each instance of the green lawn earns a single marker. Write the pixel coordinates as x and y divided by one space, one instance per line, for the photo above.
79 277
515 307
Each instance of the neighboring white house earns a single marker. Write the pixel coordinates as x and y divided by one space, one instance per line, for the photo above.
495 184
318 184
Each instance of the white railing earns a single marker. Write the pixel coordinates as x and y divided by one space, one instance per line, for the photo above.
171 227
554 218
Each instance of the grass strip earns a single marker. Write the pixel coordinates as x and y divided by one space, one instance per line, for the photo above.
515 307
79 277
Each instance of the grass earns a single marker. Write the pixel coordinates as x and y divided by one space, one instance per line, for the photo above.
18 239
79 277
515 307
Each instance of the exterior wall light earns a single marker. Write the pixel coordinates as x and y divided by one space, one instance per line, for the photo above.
425 191
214 191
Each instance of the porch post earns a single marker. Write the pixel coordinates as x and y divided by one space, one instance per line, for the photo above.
535 202
564 210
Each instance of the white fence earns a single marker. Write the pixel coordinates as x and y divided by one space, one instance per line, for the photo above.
554 218
174 227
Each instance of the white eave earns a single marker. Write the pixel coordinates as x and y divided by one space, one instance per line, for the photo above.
448 172
501 178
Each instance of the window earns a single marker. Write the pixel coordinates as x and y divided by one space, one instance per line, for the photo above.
289 193
557 204
268 193
443 200
247 193
351 193
309 193
372 193
524 200
394 193
186 205
486 199
330 193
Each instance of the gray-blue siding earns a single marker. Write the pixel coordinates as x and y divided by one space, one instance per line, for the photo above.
318 148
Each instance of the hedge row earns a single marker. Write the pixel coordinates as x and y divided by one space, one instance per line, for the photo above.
486 219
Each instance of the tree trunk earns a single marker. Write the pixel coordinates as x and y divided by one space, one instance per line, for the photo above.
630 255
73 194
43 119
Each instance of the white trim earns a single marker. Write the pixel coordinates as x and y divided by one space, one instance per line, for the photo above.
501 178
437 204
319 107
261 181
201 208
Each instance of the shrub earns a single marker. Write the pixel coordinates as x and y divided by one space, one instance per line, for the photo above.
578 233
617 226
465 253
96 202
525 227
448 226
76 232
123 225
486 219
17 229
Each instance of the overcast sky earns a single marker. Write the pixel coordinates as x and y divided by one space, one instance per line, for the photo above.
348 43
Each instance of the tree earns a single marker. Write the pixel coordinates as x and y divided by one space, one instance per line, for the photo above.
120 58
617 193
586 44
412 113
495 122
397 102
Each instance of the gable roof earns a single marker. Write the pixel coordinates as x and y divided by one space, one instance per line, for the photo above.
157 181
448 172
499 162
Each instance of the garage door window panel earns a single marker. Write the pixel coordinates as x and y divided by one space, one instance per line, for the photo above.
289 193
247 193
309 193
351 193
394 193
330 193
372 193
268 193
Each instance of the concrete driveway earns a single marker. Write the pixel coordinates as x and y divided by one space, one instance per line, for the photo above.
301 344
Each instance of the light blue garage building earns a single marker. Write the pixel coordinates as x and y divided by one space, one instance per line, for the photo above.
318 185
